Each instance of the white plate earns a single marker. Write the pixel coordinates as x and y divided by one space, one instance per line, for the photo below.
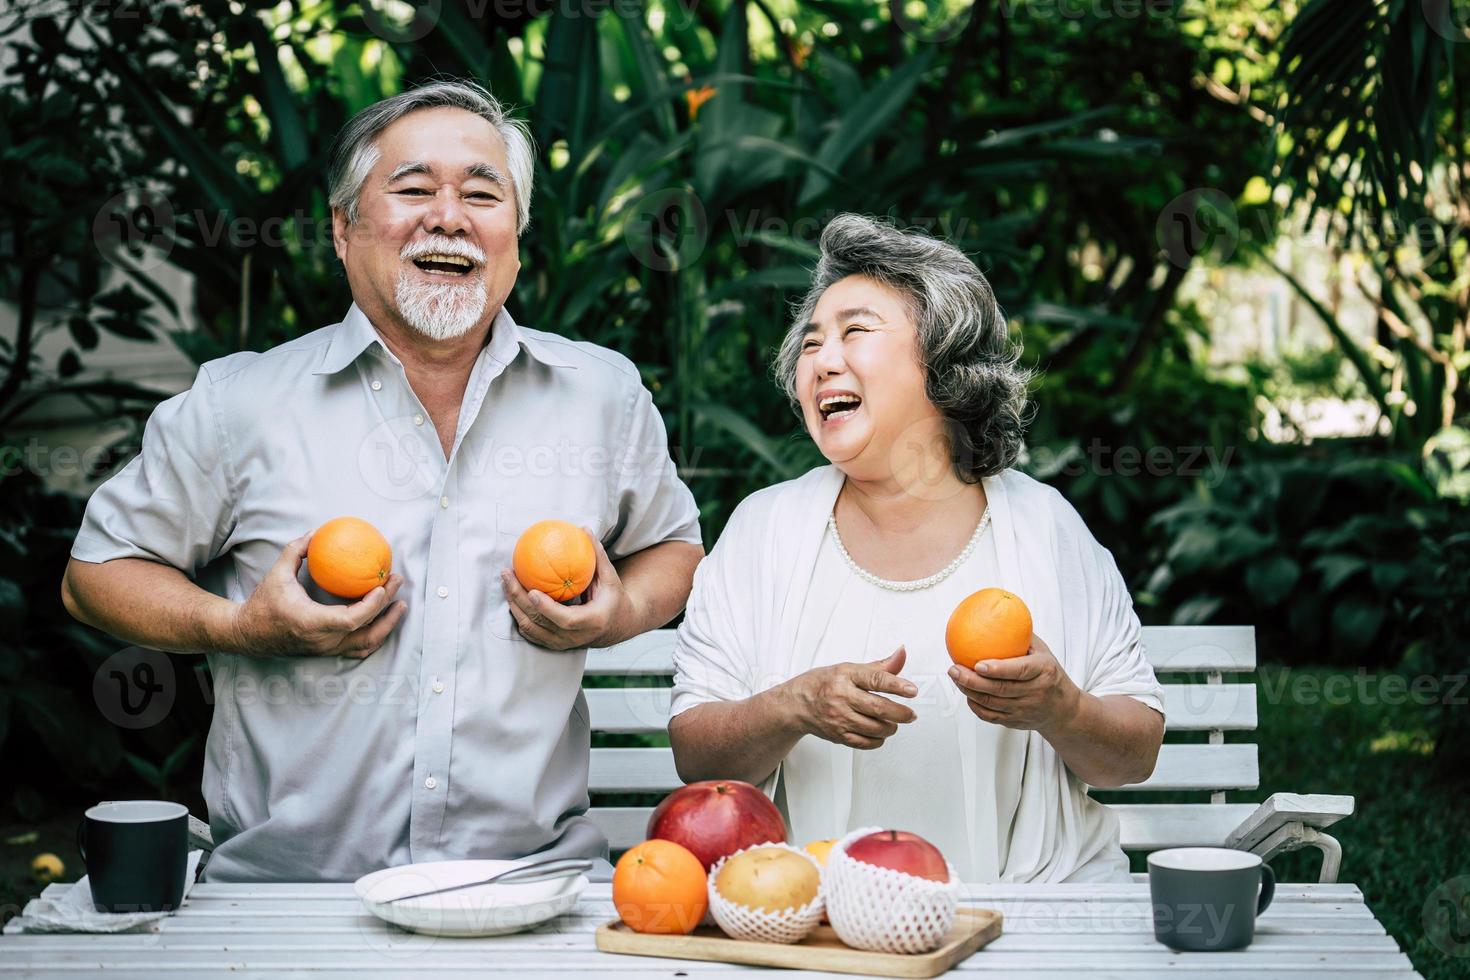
489 910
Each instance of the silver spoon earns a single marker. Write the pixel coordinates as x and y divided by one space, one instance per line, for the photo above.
541 871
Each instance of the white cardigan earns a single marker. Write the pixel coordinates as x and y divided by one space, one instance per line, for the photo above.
751 592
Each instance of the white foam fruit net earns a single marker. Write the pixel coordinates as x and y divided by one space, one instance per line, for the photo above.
757 925
886 910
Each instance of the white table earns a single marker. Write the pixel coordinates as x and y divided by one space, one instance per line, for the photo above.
284 930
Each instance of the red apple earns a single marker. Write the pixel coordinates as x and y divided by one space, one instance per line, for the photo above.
717 817
901 851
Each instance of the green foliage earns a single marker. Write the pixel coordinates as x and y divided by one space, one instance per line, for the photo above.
1335 559
52 732
1374 139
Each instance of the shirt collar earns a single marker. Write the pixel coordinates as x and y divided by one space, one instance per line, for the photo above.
356 334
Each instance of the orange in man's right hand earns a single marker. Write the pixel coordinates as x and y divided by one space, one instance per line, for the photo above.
348 557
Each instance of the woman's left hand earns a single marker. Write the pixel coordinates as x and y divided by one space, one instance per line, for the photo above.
1030 692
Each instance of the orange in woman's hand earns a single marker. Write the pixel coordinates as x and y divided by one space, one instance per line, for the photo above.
556 557
660 887
992 624
348 557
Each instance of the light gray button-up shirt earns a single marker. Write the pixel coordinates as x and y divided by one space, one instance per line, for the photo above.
456 739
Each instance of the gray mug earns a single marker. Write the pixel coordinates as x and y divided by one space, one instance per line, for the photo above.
1207 898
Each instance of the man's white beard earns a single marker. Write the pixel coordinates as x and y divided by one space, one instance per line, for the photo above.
441 311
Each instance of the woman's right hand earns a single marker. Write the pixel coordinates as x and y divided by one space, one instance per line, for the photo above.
841 703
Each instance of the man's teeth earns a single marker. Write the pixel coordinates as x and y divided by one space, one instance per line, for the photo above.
458 260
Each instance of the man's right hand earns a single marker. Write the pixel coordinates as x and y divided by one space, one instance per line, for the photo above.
840 703
280 619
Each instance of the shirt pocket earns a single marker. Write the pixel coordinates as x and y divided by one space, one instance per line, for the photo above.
511 521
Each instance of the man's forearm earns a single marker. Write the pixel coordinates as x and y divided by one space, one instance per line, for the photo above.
743 740
1110 741
657 580
149 604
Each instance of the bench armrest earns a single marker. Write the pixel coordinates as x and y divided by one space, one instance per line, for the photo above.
1289 821
200 836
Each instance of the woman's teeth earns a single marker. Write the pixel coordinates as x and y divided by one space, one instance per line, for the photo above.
838 407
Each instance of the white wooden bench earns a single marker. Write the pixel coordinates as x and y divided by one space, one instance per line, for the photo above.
1284 822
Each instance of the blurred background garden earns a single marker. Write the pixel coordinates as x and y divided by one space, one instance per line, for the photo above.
1232 235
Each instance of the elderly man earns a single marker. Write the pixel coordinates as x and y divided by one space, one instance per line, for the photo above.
440 716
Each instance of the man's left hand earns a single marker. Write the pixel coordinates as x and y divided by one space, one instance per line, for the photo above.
596 622
1030 692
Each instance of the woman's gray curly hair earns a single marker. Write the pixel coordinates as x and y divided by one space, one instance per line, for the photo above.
970 364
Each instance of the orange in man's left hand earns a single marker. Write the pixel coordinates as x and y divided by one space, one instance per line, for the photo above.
556 557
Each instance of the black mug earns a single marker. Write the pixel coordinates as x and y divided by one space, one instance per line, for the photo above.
136 852
1207 898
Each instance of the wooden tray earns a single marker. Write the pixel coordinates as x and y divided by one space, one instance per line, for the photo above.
822 950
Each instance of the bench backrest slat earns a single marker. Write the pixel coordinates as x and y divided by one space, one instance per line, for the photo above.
1170 649
1187 708
1141 826
1180 767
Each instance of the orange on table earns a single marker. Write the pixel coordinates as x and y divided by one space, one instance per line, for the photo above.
556 557
991 624
660 887
820 849
348 557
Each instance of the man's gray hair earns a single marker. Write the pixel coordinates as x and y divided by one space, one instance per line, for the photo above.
355 151
970 363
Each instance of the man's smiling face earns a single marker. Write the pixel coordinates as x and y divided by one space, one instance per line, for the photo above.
435 245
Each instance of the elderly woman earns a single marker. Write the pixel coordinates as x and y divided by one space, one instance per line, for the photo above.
812 658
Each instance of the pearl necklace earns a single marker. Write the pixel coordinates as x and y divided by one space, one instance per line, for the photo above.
914 585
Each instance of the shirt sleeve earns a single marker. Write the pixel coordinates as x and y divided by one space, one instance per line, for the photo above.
173 502
653 505
713 648
1117 664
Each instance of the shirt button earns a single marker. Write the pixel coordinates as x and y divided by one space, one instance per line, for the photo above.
443 592
418 419
443 501
430 783
438 687
377 386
